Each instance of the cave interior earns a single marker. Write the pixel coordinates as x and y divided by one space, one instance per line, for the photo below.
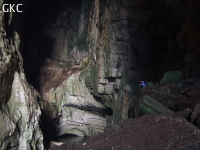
151 37
153 49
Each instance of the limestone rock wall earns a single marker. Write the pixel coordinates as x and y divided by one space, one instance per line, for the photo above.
103 84
113 44
19 111
21 128
100 50
75 109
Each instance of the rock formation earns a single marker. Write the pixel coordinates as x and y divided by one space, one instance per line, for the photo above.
98 51
19 110
86 58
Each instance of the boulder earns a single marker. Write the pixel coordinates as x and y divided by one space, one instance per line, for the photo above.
149 105
152 132
195 114
170 77
184 113
152 84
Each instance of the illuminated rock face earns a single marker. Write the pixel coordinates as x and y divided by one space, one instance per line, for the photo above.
99 56
19 110
76 110
24 116
20 116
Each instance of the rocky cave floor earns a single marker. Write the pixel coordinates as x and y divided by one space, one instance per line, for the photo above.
154 131
151 132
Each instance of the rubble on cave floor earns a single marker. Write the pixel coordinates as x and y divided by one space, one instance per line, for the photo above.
176 130
152 132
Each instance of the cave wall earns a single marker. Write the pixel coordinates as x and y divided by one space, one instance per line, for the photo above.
156 30
93 54
71 104
106 48
19 110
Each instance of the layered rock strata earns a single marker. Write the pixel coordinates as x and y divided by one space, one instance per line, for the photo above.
74 108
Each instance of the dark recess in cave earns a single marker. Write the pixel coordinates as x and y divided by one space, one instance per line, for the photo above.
38 46
93 109
41 15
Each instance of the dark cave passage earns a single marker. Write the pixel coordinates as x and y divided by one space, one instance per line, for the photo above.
40 35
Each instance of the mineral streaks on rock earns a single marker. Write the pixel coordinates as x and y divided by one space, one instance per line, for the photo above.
76 120
106 38
72 91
